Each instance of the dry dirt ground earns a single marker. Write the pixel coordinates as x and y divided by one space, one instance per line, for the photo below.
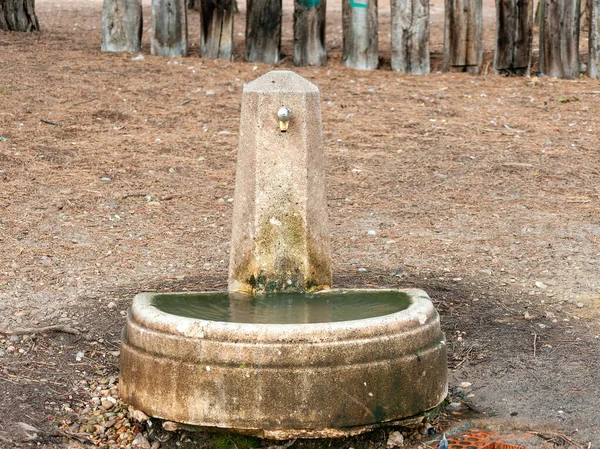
484 191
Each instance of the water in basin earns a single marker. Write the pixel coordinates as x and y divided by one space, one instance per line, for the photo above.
283 308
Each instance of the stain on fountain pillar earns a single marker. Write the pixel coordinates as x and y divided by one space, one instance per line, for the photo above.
280 237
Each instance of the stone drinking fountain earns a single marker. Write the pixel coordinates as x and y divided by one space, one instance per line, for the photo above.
280 354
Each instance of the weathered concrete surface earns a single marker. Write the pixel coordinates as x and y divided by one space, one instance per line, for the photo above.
284 381
280 237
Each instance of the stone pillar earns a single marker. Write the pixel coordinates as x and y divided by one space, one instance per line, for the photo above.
122 25
280 238
169 28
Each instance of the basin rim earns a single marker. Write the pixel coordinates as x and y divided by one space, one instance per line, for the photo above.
417 314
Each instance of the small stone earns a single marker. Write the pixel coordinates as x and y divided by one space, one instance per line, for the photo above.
395 439
79 356
541 285
111 305
141 441
140 416
155 445
372 232
362 270
580 305
170 426
465 384
107 404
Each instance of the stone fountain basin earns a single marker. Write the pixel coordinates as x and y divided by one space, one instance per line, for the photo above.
282 381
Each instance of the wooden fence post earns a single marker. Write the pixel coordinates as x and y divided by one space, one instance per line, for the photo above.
309 32
514 36
122 25
559 38
463 50
263 31
216 29
359 22
169 28
594 61
410 36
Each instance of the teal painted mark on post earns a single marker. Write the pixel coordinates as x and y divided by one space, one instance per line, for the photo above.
310 3
359 3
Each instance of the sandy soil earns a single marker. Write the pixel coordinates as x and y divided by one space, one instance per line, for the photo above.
484 191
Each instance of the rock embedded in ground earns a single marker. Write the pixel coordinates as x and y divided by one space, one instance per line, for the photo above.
395 439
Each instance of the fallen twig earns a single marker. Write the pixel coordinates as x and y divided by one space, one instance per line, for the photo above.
84 102
534 344
133 195
558 438
80 437
48 122
41 330
184 102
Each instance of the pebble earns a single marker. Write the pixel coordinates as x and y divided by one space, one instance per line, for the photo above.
580 305
107 404
541 285
111 305
362 270
170 426
141 441
140 416
395 439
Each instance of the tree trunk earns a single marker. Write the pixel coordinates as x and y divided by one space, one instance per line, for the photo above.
410 36
559 38
194 4
594 61
18 15
169 28
122 25
359 22
309 32
584 16
263 31
514 36
216 29
463 50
